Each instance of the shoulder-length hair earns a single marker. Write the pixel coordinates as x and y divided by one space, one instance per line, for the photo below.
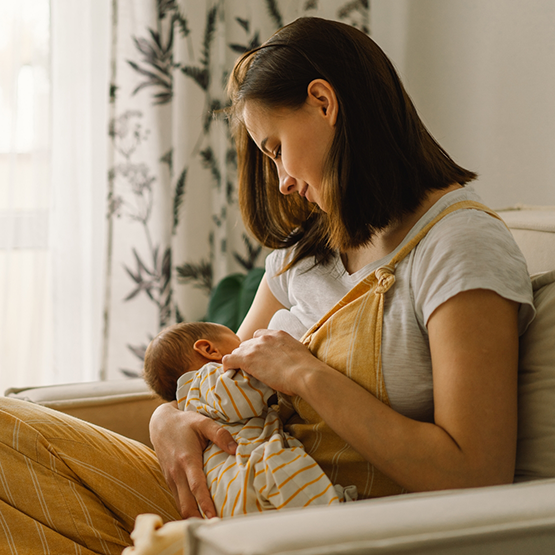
382 161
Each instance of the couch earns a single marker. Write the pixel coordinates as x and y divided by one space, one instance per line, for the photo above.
517 518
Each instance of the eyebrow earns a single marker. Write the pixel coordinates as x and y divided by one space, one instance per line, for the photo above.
263 146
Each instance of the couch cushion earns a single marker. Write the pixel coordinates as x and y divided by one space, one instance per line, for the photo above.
533 228
536 431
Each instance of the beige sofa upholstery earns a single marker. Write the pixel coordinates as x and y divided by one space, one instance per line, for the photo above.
519 518
123 406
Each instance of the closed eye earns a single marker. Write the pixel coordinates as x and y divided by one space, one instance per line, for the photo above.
277 153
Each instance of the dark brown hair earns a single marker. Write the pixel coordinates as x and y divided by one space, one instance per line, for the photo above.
170 354
382 162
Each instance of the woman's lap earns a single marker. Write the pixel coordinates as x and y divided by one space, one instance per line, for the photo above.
70 486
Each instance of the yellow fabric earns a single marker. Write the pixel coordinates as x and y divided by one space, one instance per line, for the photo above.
70 487
348 338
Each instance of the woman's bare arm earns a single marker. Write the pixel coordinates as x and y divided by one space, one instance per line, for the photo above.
474 349
263 307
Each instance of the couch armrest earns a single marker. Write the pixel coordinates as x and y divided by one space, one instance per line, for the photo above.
513 519
533 228
123 406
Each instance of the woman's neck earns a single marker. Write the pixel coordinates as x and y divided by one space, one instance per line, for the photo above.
387 240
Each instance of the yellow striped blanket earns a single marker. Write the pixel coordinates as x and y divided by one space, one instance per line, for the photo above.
270 470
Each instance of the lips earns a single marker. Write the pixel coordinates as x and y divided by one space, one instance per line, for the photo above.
303 191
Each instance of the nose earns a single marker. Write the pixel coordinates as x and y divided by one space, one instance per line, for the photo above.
287 184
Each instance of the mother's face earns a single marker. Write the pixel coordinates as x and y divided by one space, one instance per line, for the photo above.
298 141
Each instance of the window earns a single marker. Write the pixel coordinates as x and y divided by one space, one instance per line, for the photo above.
54 63
25 310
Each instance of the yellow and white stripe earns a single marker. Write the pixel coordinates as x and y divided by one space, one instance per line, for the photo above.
67 486
270 470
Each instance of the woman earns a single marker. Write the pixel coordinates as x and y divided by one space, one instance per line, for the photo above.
338 173
414 384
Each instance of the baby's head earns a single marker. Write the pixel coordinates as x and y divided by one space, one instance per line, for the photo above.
183 348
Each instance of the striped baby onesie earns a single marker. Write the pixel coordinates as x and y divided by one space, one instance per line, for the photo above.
270 470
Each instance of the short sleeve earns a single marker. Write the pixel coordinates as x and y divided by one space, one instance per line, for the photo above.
467 250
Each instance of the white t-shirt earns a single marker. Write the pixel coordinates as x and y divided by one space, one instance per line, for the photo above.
468 249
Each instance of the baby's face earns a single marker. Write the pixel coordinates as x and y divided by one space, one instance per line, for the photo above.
227 340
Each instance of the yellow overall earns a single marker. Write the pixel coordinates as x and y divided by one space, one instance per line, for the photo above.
348 338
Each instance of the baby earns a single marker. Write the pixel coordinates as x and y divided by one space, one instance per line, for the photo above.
270 469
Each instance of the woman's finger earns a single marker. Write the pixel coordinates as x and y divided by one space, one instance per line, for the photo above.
261 332
218 435
273 357
184 499
195 491
179 438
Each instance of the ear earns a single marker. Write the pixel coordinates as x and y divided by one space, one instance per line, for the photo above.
321 95
207 349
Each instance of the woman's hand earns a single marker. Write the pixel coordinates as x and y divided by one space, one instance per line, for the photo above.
179 438
275 358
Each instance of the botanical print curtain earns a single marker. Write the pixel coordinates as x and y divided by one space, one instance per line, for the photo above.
174 229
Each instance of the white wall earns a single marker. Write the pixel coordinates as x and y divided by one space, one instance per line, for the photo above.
482 76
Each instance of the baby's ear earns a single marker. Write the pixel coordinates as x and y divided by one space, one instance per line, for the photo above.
207 349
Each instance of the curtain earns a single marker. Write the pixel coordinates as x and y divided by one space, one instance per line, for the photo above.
53 110
174 229
24 192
